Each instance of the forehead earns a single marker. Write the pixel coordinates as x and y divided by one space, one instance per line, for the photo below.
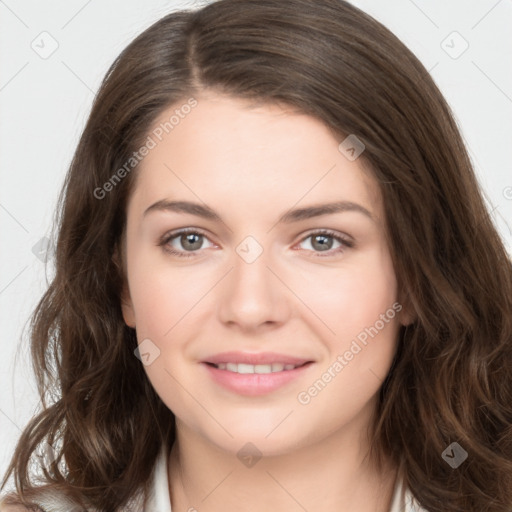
226 151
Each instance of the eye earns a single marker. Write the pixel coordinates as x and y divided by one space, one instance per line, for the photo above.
188 241
322 242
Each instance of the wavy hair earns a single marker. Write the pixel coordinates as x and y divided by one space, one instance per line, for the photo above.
451 380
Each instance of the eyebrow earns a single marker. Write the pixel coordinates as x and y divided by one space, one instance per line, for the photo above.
288 217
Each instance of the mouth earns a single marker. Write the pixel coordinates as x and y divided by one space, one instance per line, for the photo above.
255 374
244 368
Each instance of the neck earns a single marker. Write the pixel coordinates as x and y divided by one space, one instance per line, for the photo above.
333 476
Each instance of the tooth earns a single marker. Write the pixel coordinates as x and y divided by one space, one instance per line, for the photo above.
232 367
263 368
245 368
258 368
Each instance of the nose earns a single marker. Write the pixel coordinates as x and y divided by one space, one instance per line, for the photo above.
253 295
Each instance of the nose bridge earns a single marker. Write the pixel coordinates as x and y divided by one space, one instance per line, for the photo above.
251 266
252 294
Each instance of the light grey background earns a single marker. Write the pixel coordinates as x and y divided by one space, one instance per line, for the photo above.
44 101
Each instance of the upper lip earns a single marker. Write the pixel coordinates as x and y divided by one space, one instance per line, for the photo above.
255 358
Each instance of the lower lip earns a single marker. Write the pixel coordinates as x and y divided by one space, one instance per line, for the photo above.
254 384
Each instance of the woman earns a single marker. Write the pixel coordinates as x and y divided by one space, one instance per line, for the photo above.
277 285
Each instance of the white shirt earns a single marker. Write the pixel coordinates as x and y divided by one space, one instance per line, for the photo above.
159 499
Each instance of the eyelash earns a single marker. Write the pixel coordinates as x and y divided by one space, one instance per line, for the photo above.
164 241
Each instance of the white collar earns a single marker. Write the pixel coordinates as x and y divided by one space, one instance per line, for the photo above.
403 500
159 499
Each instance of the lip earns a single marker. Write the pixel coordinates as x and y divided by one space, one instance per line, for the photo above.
254 384
255 358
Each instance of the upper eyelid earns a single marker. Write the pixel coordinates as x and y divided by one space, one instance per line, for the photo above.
170 235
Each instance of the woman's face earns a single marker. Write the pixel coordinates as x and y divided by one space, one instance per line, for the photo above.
257 283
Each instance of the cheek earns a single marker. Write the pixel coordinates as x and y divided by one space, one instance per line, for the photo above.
370 320
351 297
163 293
360 307
359 355
165 302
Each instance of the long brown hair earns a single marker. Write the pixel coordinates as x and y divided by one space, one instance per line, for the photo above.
451 380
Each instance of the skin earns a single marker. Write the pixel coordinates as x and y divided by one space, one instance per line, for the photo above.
252 163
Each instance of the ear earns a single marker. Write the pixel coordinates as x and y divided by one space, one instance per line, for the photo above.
407 314
406 317
127 307
126 301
